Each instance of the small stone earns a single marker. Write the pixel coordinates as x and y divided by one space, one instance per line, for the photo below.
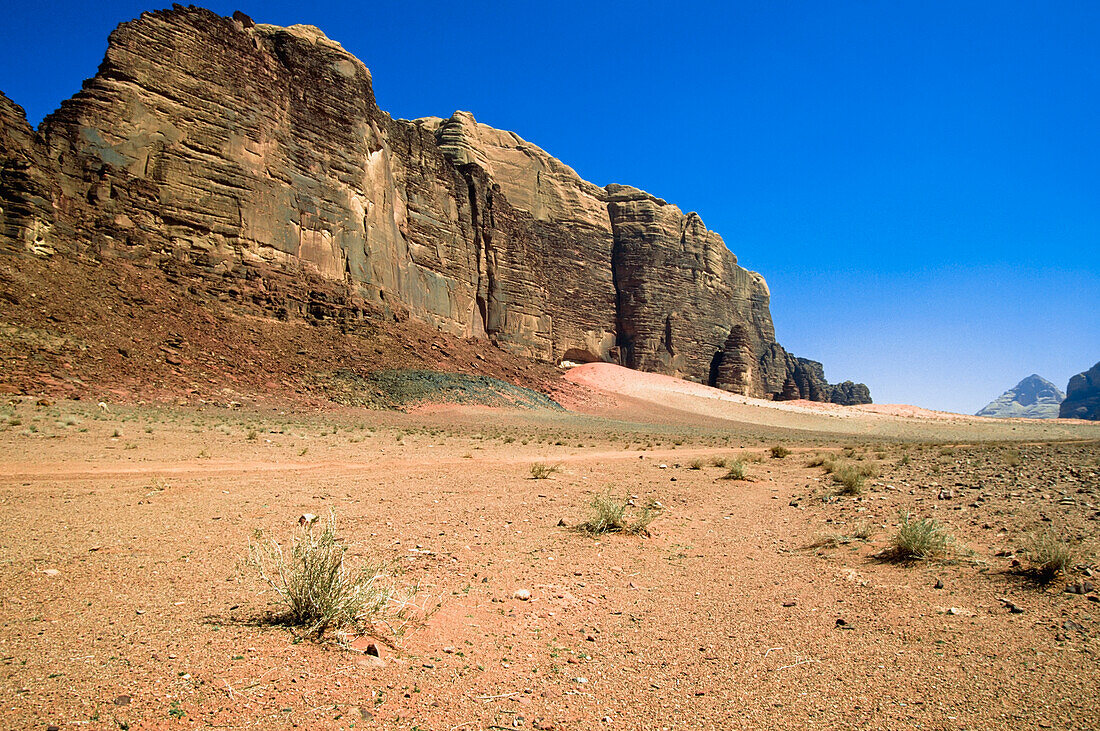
580 681
842 622
50 572
662 466
449 650
523 595
372 650
561 523
790 603
122 700
939 583
589 638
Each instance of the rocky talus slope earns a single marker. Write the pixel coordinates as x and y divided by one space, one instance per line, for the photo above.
1083 396
255 159
1032 398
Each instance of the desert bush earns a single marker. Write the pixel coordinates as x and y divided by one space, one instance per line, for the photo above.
816 461
1012 458
1049 555
316 586
719 461
542 471
849 479
610 515
924 538
862 532
905 460
779 451
736 471
696 464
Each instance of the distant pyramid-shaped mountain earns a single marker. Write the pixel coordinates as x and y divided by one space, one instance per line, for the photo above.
1031 398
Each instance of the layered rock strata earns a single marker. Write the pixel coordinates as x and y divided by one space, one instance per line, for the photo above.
252 151
1083 396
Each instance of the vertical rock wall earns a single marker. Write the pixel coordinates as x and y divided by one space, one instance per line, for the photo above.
241 146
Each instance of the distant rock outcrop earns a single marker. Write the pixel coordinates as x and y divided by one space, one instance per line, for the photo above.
248 150
1083 396
1032 398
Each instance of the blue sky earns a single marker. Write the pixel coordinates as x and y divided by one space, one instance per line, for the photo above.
919 182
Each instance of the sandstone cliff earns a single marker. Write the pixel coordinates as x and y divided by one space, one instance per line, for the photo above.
1032 398
1083 396
252 152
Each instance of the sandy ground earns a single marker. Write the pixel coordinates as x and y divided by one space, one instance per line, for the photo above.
622 392
126 600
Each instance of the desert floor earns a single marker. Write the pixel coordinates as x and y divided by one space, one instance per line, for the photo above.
127 601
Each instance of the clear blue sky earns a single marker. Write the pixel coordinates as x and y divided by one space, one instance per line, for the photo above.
919 182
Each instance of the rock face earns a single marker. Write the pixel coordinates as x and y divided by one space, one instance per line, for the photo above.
1083 396
1032 398
252 151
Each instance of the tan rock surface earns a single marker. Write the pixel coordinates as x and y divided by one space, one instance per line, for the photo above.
253 152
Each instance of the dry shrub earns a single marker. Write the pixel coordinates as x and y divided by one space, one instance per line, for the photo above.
541 471
317 587
736 471
849 479
610 515
1049 555
924 538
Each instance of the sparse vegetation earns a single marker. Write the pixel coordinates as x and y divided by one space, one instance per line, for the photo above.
779 451
317 588
1049 555
849 478
736 471
924 538
696 464
861 532
542 471
610 515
